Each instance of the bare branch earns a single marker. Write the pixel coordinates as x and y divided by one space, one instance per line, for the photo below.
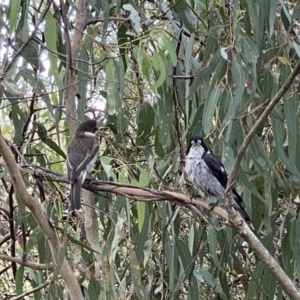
26 263
47 282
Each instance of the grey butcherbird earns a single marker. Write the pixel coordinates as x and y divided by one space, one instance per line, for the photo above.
208 175
81 156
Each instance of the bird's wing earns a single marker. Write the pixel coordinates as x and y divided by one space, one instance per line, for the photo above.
216 168
82 153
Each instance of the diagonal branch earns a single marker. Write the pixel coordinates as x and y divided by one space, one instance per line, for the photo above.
56 248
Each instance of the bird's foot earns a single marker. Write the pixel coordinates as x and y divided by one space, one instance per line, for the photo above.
213 205
89 181
195 196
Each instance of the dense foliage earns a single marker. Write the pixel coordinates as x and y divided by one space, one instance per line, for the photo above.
159 71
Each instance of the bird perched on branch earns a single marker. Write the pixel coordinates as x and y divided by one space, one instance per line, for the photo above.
208 174
81 156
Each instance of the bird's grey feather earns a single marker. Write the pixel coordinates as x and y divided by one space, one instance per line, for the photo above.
208 175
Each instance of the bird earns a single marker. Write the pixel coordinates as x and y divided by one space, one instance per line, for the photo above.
208 174
82 154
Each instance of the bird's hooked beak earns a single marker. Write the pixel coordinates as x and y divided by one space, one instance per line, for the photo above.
196 144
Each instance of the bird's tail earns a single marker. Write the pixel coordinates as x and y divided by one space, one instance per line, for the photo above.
239 207
75 194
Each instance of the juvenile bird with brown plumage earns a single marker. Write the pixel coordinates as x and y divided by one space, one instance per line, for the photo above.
81 157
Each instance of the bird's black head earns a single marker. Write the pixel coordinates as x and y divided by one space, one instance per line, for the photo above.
196 143
89 126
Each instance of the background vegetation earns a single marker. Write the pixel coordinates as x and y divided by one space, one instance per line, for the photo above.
159 71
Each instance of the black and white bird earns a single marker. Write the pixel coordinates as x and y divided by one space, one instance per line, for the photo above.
81 157
208 175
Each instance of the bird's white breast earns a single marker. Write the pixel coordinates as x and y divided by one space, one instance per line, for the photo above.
202 178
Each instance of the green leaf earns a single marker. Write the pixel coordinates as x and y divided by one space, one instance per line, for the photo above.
31 78
136 275
212 237
144 176
269 285
272 14
184 256
291 108
13 15
193 291
144 62
19 280
141 214
253 291
51 144
250 49
11 87
278 130
105 15
106 164
208 277
51 40
42 132
209 108
159 66
110 82
143 231
94 288
294 242
211 44
253 15
158 146
118 236
207 71
286 251
239 78
182 9
170 48
145 121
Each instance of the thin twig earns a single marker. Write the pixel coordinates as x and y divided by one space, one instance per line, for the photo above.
41 286
9 65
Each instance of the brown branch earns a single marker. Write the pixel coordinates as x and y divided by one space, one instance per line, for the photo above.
148 195
26 263
131 191
41 286
97 20
56 248
70 76
182 76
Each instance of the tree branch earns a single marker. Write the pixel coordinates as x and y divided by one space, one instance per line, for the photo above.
131 191
41 219
41 286
26 263
150 195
